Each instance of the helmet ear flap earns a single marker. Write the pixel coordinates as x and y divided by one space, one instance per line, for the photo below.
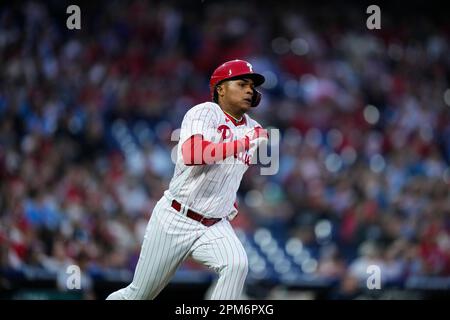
256 98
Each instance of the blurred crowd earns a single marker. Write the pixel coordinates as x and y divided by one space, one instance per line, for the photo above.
364 118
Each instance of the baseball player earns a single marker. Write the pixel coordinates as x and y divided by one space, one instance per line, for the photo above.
192 219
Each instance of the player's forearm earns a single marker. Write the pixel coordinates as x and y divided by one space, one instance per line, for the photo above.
197 151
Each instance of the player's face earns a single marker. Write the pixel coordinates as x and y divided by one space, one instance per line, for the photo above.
237 94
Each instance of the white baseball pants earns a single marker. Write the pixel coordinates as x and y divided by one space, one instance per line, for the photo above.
169 239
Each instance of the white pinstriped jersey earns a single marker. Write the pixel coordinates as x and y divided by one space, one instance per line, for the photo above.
210 189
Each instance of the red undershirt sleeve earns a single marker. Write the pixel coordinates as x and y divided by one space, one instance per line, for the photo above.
197 151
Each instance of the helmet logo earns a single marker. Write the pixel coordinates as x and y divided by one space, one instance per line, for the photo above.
250 67
229 72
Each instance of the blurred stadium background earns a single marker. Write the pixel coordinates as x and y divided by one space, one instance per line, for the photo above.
86 117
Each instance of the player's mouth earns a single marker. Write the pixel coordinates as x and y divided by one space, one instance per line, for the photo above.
249 100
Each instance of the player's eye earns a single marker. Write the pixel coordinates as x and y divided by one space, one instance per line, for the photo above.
245 84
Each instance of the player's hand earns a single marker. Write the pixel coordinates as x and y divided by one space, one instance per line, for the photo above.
257 136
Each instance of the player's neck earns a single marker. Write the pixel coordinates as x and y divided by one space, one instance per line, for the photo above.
234 115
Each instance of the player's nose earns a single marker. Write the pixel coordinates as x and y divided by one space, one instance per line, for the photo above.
249 91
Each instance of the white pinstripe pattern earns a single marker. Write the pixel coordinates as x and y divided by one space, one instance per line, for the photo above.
170 236
220 249
167 241
209 189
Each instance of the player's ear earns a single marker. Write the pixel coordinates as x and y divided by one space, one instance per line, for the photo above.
220 90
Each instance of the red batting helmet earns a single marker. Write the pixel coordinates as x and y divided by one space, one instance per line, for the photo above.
236 69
